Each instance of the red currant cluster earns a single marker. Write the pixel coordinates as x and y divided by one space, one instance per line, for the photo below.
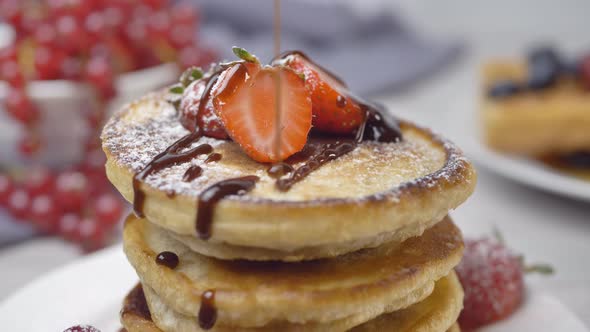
58 203
87 41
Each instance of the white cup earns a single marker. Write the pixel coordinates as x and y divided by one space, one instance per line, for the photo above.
63 128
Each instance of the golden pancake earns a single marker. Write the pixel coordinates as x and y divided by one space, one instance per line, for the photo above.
253 294
228 251
432 314
354 201
534 123
438 312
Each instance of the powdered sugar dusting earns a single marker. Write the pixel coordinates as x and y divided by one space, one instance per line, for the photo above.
147 127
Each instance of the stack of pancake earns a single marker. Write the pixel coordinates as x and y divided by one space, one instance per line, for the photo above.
363 243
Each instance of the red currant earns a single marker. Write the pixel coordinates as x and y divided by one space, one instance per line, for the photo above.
39 181
68 227
71 33
92 234
108 209
45 35
45 213
185 13
71 68
19 204
156 4
114 17
159 25
6 189
20 107
8 53
12 74
48 62
71 190
96 25
29 144
182 35
99 73
12 11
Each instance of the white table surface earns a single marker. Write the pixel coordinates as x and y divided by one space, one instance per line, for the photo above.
544 227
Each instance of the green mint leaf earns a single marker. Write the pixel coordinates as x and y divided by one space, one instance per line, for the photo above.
177 89
244 55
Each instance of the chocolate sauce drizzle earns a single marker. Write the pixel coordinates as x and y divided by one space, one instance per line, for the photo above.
279 170
330 151
214 157
192 173
171 156
210 196
208 310
168 259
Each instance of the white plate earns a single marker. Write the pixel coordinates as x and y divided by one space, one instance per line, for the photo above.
467 135
91 290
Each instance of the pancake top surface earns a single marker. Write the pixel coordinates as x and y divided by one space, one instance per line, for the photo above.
148 126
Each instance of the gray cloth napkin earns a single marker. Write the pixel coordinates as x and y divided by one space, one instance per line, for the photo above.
373 54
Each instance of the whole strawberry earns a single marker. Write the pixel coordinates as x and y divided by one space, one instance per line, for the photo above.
492 277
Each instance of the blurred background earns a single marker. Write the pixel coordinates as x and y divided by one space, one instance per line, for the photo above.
65 65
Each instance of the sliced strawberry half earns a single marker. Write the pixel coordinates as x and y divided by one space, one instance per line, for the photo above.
334 111
247 106
208 121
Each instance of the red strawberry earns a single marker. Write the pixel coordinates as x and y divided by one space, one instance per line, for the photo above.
246 104
492 277
333 110
189 107
209 122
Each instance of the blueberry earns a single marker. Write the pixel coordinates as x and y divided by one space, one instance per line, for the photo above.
504 88
571 68
544 67
577 160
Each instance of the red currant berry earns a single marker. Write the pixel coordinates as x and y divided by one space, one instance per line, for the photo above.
136 31
45 35
71 68
71 190
108 209
114 17
39 181
45 213
184 12
8 53
12 12
19 204
96 25
29 145
71 33
68 227
159 25
156 4
12 74
6 189
99 73
48 62
20 107
189 56
82 328
182 35
92 234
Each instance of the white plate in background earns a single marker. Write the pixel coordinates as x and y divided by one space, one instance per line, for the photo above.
91 290
466 134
